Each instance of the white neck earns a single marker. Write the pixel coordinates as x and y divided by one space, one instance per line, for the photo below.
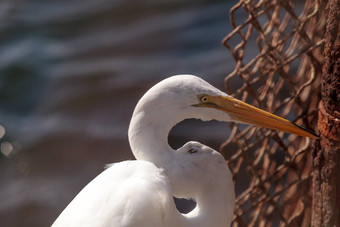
148 137
211 212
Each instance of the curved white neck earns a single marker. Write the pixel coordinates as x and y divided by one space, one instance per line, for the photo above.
148 137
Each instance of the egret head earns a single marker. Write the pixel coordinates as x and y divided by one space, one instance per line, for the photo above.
185 96
195 163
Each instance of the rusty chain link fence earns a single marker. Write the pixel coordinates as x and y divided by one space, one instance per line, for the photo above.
278 56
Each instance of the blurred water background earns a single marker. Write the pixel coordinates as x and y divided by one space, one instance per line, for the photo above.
71 72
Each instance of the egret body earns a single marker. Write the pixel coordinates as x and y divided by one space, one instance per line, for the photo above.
140 193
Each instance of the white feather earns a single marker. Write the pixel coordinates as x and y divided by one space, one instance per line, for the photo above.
140 193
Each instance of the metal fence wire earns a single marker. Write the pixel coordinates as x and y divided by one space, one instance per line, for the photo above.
278 54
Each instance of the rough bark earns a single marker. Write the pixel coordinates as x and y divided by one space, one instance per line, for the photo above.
326 155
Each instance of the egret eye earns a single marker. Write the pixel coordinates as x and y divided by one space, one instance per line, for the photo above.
204 98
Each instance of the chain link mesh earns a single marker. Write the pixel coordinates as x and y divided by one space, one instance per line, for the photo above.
278 55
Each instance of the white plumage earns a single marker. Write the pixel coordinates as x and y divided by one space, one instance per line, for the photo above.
140 193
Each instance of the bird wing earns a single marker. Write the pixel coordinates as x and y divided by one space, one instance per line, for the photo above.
130 193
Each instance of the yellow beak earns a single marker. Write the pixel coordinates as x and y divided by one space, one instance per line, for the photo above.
245 113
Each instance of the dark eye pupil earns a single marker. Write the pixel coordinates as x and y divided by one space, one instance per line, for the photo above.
204 99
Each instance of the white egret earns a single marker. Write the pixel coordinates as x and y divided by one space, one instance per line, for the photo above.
140 193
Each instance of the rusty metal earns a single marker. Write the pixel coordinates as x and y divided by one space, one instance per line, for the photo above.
326 155
278 65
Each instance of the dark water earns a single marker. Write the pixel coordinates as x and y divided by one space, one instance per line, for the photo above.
70 75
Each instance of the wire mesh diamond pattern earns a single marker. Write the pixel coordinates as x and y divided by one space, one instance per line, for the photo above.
278 60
